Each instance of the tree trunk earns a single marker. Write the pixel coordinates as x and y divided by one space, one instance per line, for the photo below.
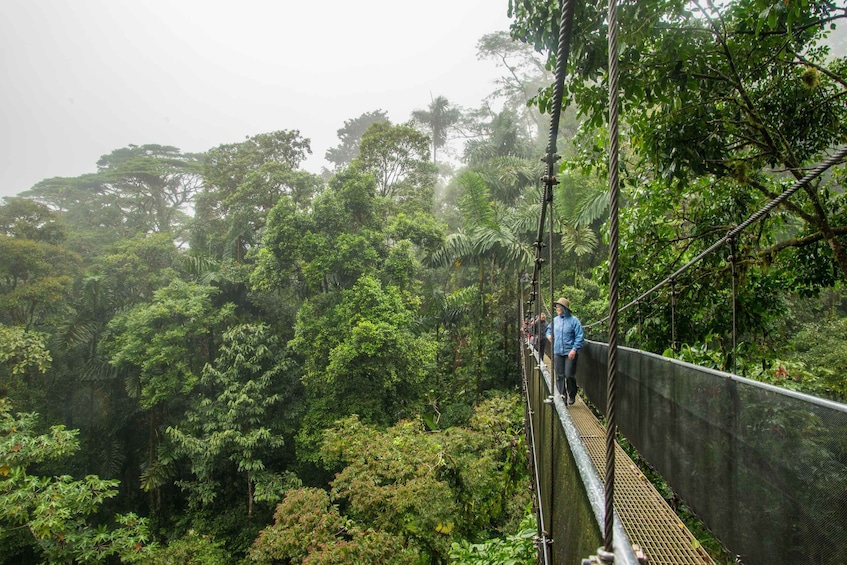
249 495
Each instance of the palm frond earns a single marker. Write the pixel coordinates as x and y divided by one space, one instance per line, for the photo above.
591 208
74 333
98 369
475 200
199 265
579 240
458 248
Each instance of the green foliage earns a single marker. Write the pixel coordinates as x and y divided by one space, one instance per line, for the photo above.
587 302
439 118
488 234
165 343
55 510
309 530
350 135
398 158
706 354
242 183
362 356
230 427
154 183
35 278
136 190
190 549
327 247
26 219
433 488
22 354
822 366
134 268
515 549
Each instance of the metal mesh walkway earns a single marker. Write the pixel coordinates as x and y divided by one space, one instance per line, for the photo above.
646 517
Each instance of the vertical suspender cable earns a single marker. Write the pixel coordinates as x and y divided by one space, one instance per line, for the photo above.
673 315
552 286
732 250
562 53
614 189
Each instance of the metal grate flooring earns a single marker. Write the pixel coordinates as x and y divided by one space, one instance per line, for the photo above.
646 517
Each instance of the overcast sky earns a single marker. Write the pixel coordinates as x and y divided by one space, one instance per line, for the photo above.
84 77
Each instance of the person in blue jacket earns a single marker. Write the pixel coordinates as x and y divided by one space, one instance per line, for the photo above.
565 333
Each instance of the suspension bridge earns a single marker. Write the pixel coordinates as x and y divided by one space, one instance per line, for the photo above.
764 469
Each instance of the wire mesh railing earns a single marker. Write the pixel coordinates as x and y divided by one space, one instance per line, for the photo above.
764 468
570 494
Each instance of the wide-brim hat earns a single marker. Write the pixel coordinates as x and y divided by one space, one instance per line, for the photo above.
564 303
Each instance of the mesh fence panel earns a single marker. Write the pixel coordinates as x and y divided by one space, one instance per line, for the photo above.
764 468
569 518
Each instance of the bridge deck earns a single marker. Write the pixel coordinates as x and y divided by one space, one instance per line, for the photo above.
647 518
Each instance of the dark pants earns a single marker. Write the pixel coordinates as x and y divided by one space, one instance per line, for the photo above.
542 342
565 369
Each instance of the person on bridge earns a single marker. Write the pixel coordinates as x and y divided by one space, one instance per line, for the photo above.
539 328
565 332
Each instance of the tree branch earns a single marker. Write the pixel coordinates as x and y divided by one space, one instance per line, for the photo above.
799 242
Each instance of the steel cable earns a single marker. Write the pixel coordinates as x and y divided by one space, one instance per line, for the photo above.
614 190
542 522
562 54
835 159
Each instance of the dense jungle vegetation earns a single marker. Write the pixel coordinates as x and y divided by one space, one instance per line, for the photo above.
223 358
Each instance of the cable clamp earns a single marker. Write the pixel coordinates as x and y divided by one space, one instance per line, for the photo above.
603 557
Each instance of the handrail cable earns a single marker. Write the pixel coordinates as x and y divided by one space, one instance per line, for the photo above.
835 159
543 540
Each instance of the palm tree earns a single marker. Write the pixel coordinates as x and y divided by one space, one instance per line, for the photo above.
489 239
438 118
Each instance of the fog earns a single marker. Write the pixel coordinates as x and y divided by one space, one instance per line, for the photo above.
86 77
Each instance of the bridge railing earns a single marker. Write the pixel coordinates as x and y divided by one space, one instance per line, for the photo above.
764 468
570 493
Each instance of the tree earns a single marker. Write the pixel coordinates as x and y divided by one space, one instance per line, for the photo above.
398 159
243 182
404 487
433 488
160 349
23 357
37 270
329 246
526 74
235 420
361 356
502 138
157 185
26 219
438 118
350 135
491 239
489 233
136 190
740 95
162 346
309 530
56 510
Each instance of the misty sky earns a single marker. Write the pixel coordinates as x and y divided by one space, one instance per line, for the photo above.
85 77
